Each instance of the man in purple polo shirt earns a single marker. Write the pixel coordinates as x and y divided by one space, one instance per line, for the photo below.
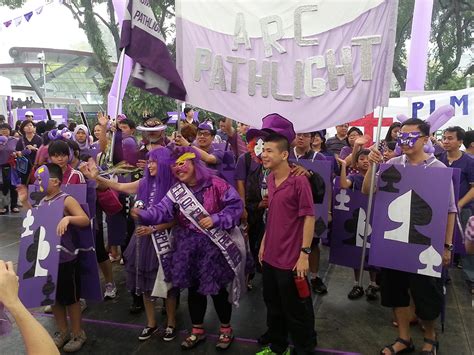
397 286
284 251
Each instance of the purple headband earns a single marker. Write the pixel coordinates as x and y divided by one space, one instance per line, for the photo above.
409 139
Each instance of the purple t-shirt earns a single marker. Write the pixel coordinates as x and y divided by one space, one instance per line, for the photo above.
433 163
310 155
7 149
466 165
289 204
357 181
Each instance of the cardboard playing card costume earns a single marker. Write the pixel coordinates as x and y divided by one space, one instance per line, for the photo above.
410 217
350 210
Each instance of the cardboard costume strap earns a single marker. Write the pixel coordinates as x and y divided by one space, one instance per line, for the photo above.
231 245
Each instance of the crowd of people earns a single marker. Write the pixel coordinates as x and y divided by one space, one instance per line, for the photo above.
193 227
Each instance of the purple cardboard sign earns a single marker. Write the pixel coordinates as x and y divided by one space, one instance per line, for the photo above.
38 258
410 217
350 211
321 210
57 114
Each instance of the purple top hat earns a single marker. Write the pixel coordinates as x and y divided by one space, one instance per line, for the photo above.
273 123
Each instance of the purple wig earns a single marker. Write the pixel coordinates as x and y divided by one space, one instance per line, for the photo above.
162 181
202 172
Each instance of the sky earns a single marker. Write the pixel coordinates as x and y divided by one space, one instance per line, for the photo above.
55 27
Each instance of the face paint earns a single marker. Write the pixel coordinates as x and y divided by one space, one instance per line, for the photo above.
42 178
182 164
408 139
259 147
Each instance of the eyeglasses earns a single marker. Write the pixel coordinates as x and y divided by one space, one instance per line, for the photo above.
303 135
203 134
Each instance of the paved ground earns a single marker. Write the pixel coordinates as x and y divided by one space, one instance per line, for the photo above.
343 325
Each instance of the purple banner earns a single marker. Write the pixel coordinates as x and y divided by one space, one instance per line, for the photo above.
410 217
38 259
321 210
57 114
350 211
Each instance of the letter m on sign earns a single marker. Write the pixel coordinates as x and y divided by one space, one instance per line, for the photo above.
462 101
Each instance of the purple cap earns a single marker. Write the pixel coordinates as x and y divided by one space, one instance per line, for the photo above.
273 123
205 127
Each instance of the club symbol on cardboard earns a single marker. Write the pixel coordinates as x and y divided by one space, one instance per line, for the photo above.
355 226
319 227
342 198
391 176
36 252
410 210
430 258
48 289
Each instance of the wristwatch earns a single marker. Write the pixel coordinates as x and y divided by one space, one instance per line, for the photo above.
449 247
306 250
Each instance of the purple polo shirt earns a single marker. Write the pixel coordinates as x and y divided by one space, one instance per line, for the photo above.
289 204
466 165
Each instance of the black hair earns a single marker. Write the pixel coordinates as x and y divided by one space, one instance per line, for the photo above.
221 119
45 138
74 147
55 171
2 118
423 126
353 129
84 157
40 128
72 126
323 140
50 124
58 148
23 125
187 109
468 139
460 133
6 126
281 141
388 137
360 153
61 126
17 126
391 145
128 122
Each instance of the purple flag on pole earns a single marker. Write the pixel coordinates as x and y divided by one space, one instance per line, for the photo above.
350 212
38 259
28 16
321 210
8 23
153 70
410 217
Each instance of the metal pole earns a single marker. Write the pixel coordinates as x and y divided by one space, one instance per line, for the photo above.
44 73
371 198
178 122
117 106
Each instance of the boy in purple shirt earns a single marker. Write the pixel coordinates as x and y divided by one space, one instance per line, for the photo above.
284 251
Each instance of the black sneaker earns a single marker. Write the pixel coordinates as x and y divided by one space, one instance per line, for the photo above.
318 286
170 334
356 292
147 332
264 339
371 293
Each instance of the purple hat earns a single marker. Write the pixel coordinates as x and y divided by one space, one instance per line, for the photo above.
273 123
205 126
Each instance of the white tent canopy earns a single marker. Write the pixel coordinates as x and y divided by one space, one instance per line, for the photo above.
5 87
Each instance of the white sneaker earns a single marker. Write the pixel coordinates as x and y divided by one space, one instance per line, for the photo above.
83 304
110 291
48 309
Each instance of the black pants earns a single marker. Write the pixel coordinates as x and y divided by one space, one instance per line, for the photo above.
7 187
197 304
287 312
101 254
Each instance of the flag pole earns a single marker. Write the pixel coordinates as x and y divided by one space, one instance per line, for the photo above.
117 105
370 202
178 119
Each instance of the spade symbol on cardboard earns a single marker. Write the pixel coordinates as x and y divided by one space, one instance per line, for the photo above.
37 251
390 176
319 227
430 258
410 210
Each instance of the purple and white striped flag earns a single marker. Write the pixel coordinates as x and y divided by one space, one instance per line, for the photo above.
153 69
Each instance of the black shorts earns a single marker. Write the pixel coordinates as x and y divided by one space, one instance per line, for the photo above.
315 242
426 291
69 283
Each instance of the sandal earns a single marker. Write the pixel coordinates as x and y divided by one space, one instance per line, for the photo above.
226 337
434 347
356 292
15 210
3 211
409 347
197 335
